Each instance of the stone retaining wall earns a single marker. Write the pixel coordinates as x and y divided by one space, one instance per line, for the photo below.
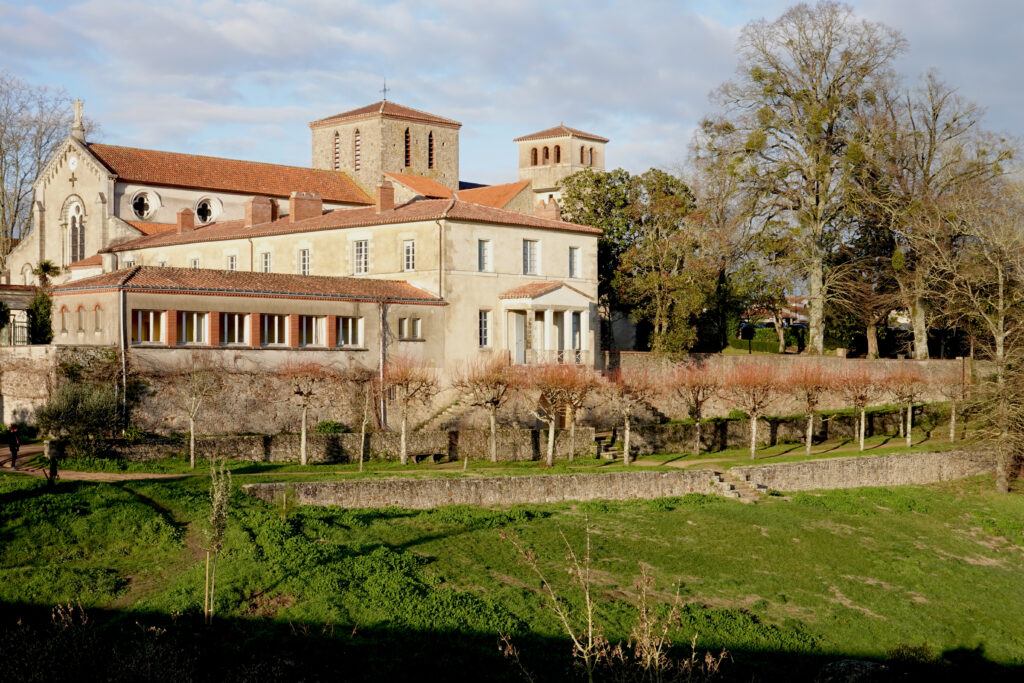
877 470
421 494
513 445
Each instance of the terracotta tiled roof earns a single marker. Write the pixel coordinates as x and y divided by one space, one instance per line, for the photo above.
151 228
91 262
151 167
389 109
561 131
231 282
497 196
416 210
536 289
425 187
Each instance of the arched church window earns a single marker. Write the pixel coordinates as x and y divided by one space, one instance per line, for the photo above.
141 205
533 157
356 151
408 149
76 233
582 155
547 155
337 152
558 154
430 150
590 160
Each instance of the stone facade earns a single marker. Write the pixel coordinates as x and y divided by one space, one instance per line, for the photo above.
421 494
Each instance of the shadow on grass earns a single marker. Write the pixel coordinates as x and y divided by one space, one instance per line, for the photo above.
40 643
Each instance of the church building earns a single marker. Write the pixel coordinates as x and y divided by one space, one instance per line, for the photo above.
377 244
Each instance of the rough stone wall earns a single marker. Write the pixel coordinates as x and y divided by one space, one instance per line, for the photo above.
27 376
720 434
878 470
423 494
513 445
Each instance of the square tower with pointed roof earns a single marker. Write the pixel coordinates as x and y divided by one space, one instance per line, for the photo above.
386 137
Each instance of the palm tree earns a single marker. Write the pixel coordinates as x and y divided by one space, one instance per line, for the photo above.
44 271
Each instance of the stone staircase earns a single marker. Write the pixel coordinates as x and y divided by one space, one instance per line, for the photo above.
605 448
730 486
436 421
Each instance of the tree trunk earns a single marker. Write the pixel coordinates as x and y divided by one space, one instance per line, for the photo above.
816 305
863 426
302 438
494 432
625 440
810 432
402 455
213 584
551 441
362 430
917 314
696 444
910 422
872 335
572 433
1004 456
782 334
952 422
192 442
753 437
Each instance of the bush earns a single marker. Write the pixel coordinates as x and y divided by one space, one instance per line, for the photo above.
81 414
40 321
330 427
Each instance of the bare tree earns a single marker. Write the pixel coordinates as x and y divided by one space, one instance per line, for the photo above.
220 497
489 384
953 384
694 385
308 380
194 384
753 387
361 386
630 390
859 386
800 79
34 121
582 383
809 382
410 383
549 384
906 385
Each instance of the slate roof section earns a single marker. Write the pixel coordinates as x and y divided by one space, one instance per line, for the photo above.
560 131
497 196
152 167
414 211
243 283
425 187
388 109
536 289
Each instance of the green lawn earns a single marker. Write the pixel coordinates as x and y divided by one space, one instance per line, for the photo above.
924 569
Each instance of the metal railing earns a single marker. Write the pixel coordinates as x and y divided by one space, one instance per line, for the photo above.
14 334
563 357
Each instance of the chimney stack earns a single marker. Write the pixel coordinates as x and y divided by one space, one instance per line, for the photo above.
303 205
258 210
385 197
548 208
186 221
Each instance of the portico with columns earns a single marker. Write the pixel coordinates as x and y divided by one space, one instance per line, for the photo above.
548 322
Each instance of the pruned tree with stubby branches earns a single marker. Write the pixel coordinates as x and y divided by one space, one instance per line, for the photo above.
361 387
308 380
548 386
694 385
488 383
582 383
809 382
859 386
905 385
753 388
410 383
629 390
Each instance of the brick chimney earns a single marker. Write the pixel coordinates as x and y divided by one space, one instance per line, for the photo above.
385 197
258 210
303 205
548 208
186 221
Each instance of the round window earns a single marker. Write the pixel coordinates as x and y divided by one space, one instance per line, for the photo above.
204 212
141 205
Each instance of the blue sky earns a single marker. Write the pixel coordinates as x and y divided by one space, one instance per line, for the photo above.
242 79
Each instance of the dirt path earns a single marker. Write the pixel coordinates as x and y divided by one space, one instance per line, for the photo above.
71 475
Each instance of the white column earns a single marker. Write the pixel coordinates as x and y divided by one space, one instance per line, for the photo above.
584 330
549 332
567 330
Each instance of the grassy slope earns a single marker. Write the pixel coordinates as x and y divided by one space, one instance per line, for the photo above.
856 572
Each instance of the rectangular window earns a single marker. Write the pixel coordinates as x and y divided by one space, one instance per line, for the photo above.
303 261
232 263
275 329
414 333
232 328
350 331
403 328
530 253
162 264
129 263
574 262
361 257
483 256
311 330
147 326
265 262
485 329
409 255
194 264
191 327
409 328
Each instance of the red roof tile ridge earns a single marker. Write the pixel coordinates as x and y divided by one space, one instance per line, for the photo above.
385 108
560 130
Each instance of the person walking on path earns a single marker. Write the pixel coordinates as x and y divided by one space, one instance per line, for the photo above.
14 443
